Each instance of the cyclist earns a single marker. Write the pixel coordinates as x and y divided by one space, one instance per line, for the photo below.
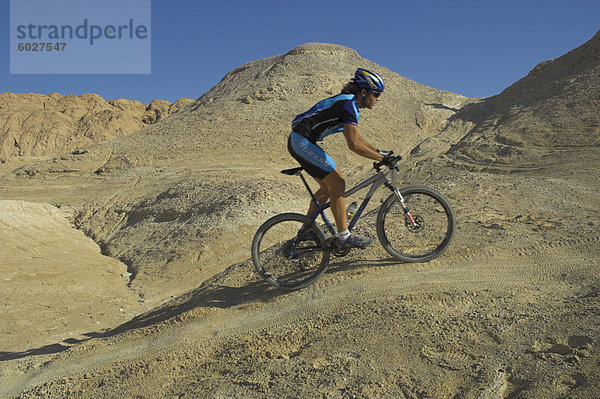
339 113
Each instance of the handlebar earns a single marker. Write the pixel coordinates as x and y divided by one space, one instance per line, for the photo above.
396 159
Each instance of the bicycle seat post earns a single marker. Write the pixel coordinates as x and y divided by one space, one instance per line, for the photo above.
312 195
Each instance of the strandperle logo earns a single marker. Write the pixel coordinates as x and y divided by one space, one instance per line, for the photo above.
84 31
80 36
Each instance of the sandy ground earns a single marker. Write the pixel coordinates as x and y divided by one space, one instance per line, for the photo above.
45 260
510 310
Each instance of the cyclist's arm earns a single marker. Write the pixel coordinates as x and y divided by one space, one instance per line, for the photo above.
358 145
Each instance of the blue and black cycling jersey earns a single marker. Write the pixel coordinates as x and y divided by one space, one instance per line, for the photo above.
327 117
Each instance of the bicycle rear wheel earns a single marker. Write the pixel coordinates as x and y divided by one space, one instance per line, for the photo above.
290 251
434 229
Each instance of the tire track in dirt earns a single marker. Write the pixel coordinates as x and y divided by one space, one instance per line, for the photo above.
346 286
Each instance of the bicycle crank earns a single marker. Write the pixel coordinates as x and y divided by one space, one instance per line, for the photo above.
335 249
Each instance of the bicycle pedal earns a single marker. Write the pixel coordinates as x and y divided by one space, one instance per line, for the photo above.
335 248
333 243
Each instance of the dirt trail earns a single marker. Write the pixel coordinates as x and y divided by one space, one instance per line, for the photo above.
451 327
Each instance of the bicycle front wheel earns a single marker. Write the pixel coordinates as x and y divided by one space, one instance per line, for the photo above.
423 238
290 251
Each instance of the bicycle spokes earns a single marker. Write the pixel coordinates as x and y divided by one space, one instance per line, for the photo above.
416 226
288 253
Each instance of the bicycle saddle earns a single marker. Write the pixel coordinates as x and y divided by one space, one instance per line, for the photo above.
293 171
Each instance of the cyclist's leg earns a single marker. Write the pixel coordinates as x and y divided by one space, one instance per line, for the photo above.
313 158
336 186
322 195
322 167
316 162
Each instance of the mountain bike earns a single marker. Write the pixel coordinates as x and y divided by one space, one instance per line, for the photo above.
414 224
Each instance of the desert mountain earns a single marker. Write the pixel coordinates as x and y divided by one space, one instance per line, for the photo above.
549 116
166 195
37 124
510 310
165 206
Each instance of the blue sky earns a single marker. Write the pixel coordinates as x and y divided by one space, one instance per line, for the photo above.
471 47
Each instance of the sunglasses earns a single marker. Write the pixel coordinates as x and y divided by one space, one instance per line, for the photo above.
376 93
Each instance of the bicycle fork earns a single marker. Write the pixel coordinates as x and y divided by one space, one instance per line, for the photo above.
406 209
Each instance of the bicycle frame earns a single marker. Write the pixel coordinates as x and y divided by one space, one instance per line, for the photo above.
374 181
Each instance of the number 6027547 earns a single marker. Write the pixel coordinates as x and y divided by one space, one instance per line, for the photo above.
41 46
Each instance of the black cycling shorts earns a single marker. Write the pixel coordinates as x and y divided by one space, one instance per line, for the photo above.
311 157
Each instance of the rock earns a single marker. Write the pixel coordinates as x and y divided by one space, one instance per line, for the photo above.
45 125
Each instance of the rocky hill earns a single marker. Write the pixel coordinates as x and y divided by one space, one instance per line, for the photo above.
213 166
46 125
510 310
545 118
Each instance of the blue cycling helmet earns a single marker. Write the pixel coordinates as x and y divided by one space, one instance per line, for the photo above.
366 79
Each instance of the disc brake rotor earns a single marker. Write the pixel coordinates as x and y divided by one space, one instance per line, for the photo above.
418 226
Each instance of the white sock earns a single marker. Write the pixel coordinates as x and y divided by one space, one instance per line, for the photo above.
343 235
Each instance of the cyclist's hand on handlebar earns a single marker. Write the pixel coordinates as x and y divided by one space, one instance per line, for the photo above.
390 160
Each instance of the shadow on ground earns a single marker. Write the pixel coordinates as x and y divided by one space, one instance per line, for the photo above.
211 294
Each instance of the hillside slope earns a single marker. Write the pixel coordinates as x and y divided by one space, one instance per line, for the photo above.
45 261
548 117
165 197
